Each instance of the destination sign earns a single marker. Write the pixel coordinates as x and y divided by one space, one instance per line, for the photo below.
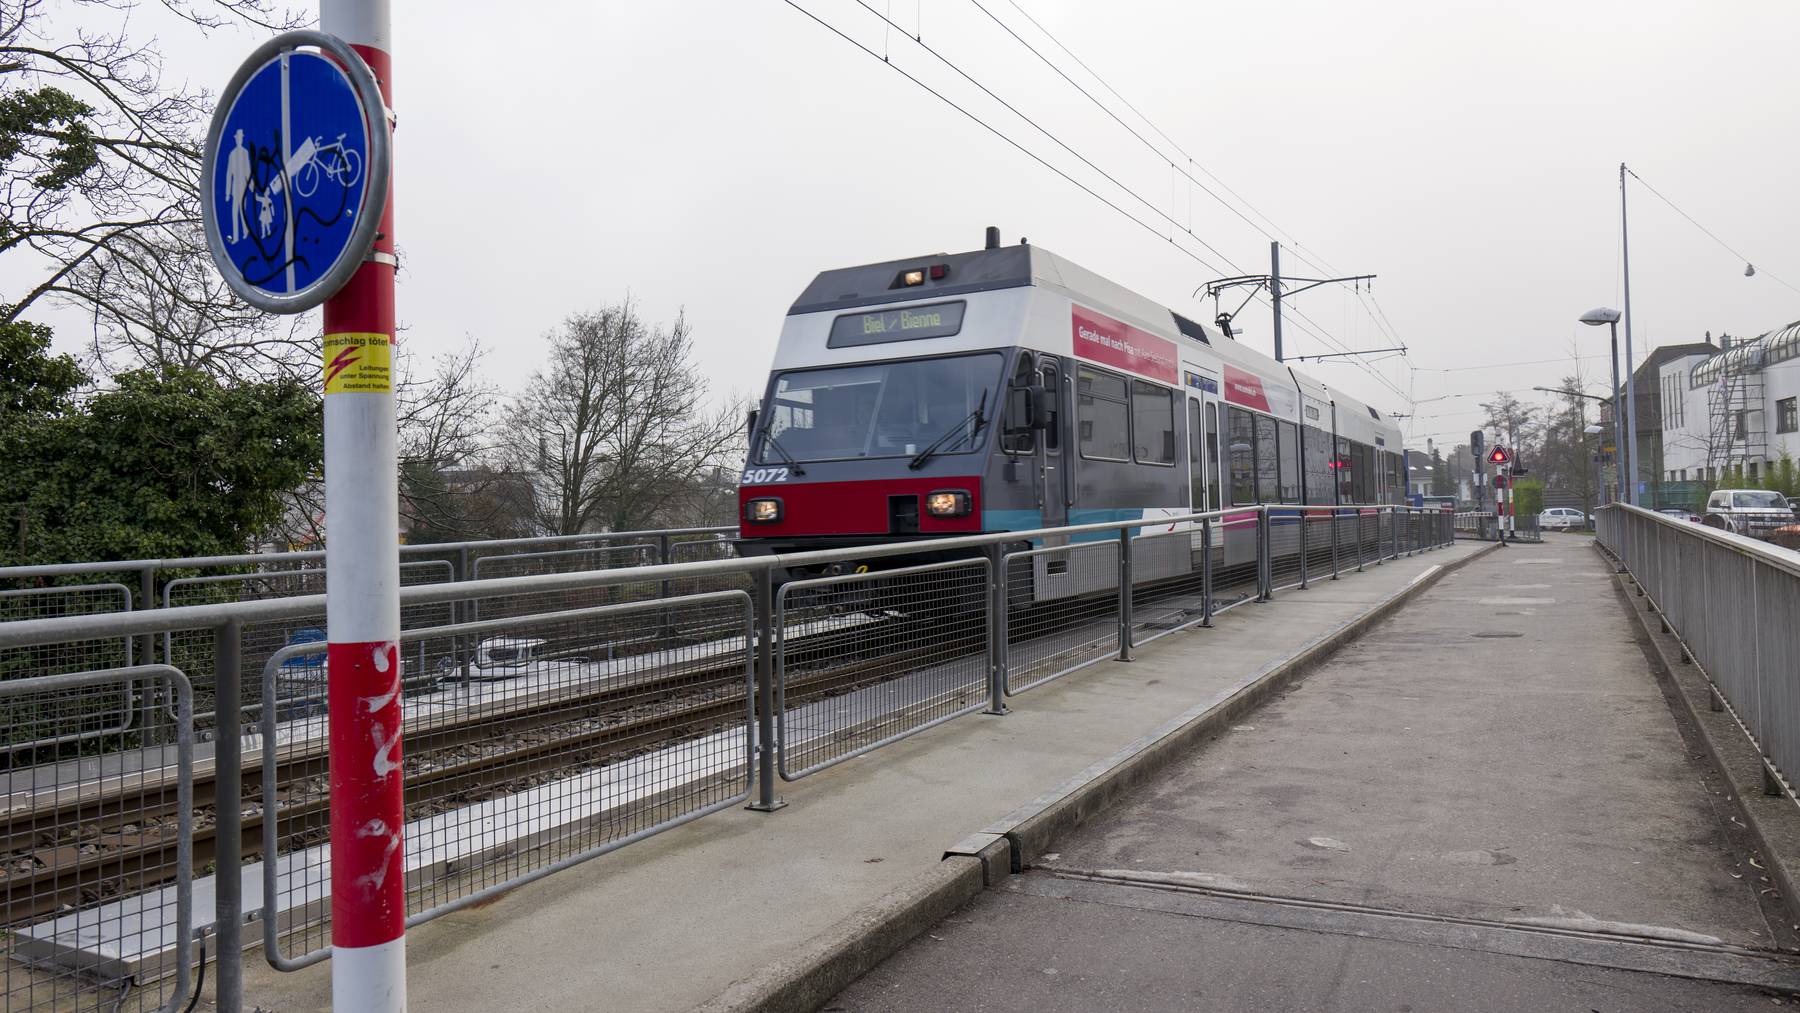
909 323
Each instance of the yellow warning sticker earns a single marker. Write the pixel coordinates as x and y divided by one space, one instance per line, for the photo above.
358 363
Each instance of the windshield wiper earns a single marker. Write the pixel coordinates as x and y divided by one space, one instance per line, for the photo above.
770 443
975 416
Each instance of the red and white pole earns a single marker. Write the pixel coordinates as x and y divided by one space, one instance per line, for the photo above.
362 603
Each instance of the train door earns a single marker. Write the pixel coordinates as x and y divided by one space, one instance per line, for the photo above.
1056 575
1053 473
1197 452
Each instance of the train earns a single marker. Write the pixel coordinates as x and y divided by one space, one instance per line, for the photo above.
1010 389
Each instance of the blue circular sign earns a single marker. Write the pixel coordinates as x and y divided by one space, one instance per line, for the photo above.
296 172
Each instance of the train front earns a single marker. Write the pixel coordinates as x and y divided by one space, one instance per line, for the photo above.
882 411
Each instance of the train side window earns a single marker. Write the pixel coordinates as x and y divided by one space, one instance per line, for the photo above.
1196 457
1290 461
1052 408
1103 416
1268 489
1152 423
1213 499
1240 434
1359 474
1016 434
1346 475
1316 458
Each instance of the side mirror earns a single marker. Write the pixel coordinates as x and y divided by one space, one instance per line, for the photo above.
1021 407
750 423
1043 408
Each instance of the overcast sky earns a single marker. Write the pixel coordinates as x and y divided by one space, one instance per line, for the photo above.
712 155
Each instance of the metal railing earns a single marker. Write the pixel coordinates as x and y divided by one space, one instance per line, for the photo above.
553 717
1483 526
74 877
1734 603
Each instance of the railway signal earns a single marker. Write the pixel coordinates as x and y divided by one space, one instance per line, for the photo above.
1499 456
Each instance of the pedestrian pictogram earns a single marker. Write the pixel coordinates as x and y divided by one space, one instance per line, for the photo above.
296 172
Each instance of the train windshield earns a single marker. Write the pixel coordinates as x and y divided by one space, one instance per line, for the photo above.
881 409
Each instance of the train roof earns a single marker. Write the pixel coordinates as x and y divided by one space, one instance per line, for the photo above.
1024 265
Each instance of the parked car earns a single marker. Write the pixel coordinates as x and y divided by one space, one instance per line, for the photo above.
1677 512
1563 519
1753 512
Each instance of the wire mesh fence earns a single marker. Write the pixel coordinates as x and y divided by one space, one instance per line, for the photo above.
573 733
195 650
107 713
876 656
98 845
1171 587
1062 611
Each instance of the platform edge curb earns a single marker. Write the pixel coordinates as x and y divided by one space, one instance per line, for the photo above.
831 960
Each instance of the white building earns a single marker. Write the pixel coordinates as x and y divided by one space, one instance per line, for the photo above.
1738 408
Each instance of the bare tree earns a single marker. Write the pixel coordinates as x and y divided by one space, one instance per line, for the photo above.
445 409
615 428
1516 422
99 179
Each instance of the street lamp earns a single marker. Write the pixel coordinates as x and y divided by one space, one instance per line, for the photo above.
1628 453
1599 469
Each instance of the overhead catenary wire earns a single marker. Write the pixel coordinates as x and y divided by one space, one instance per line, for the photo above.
1298 247
1710 234
1302 323
1301 252
1146 226
989 92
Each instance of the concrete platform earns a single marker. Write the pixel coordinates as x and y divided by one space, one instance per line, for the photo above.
671 921
1485 803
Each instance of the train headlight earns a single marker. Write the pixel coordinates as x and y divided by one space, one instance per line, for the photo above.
762 511
948 503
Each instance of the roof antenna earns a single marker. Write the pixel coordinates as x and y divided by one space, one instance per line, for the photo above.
993 237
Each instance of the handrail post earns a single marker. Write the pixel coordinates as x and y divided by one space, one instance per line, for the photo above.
228 838
766 802
1206 574
1263 577
1305 522
147 655
1125 594
996 630
1359 541
1334 543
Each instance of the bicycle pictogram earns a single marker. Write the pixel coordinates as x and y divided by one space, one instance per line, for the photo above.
331 161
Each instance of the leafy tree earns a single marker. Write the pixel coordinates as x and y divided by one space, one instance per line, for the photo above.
1528 497
32 382
1441 484
165 463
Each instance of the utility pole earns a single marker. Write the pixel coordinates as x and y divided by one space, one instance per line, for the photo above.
1629 458
1274 283
362 604
1275 292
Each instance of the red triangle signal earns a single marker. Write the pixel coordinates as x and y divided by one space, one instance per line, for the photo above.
1498 455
